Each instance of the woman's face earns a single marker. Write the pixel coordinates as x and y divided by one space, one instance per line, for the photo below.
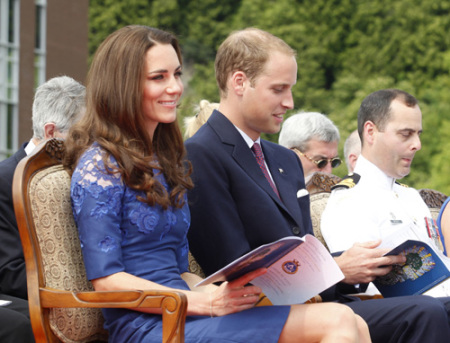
162 86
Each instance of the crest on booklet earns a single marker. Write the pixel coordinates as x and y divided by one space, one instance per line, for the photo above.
291 267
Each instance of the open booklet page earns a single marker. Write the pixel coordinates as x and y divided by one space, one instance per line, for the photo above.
298 269
426 271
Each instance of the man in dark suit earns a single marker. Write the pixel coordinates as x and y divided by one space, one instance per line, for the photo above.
57 104
239 203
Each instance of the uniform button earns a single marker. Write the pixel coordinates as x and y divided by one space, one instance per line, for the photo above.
295 230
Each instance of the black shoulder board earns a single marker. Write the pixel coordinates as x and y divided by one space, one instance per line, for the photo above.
401 184
347 182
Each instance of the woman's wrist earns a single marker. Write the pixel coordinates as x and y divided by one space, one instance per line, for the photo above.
210 305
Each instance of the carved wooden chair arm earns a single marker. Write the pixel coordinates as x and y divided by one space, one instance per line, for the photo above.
173 304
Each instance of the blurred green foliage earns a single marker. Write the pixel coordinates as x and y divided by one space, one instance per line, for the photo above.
346 50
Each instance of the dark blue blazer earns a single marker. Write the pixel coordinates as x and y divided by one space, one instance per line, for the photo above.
233 208
13 279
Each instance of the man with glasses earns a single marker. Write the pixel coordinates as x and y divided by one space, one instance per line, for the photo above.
315 139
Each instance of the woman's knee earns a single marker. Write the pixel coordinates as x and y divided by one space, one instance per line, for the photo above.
342 316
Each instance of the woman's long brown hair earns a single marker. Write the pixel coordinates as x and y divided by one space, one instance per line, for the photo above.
114 118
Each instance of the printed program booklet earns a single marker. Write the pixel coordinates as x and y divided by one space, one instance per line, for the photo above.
297 269
426 267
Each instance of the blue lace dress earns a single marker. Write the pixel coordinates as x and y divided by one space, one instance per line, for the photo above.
119 233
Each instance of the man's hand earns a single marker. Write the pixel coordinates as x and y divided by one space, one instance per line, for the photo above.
362 263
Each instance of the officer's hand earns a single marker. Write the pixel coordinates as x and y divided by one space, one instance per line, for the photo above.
362 263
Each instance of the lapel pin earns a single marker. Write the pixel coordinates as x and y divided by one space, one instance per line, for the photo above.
281 170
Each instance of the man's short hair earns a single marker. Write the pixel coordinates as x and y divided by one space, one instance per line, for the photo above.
248 51
300 128
352 145
60 100
376 107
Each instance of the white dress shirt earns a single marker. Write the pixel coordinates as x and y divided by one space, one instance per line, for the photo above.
30 147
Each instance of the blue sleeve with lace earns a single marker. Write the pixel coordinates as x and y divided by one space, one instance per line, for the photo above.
97 207
120 233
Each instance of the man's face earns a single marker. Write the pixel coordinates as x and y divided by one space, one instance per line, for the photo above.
266 101
318 150
394 148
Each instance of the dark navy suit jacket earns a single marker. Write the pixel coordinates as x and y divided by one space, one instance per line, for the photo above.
12 264
233 208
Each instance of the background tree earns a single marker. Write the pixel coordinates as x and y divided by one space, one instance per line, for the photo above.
346 50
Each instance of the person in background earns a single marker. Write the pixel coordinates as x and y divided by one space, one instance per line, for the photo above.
315 139
249 191
57 104
352 150
203 110
128 192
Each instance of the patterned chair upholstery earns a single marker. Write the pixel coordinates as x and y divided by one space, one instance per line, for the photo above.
63 305
321 182
319 188
434 200
60 247
194 267
318 202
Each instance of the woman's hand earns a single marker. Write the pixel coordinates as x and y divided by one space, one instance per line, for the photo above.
235 296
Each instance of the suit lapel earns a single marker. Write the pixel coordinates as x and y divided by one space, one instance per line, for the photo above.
241 153
282 179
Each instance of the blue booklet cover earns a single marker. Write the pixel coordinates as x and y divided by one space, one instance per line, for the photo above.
423 270
263 256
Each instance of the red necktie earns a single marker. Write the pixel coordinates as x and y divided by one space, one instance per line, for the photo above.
260 159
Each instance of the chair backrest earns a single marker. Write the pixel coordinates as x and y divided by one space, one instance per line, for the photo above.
319 188
194 266
321 182
434 200
52 248
318 202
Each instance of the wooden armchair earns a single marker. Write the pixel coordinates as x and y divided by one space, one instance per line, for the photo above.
63 305
434 200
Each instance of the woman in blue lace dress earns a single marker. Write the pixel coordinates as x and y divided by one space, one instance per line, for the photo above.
129 181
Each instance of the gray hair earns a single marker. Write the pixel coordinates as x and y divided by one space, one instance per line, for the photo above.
60 100
300 128
352 145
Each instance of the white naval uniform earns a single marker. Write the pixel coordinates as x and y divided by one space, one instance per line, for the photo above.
373 209
370 210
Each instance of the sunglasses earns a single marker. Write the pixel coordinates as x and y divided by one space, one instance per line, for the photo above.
335 162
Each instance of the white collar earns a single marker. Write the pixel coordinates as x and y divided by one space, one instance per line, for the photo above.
247 139
30 147
372 175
